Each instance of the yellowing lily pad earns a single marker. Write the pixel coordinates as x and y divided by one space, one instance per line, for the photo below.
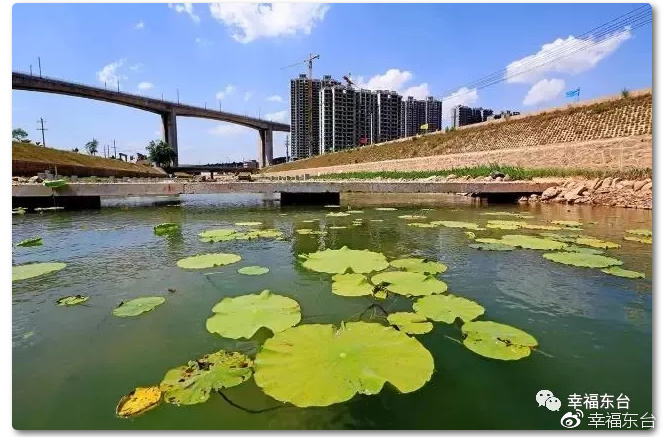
253 270
491 246
618 271
409 283
242 316
351 284
595 242
320 365
410 323
138 306
248 223
26 271
310 232
337 227
471 235
497 341
582 259
646 240
643 232
343 260
193 382
166 228
72 300
385 209
338 214
36 241
208 260
446 308
419 265
354 211
140 400
456 224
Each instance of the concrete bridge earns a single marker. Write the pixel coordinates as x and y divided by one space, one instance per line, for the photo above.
167 110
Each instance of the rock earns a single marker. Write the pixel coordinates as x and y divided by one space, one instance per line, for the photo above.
36 179
430 178
487 178
646 187
593 184
499 179
615 181
15 178
581 200
574 193
522 199
606 182
496 174
639 184
625 184
452 176
507 178
551 192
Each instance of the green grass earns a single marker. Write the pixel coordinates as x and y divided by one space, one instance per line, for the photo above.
516 173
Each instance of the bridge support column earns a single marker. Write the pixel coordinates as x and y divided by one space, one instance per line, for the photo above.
265 148
169 129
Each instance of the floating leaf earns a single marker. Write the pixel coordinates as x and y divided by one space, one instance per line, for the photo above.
26 271
253 270
166 228
582 259
580 249
193 383
359 357
310 221
567 223
138 306
419 265
422 225
18 210
471 235
337 214
529 242
248 223
337 227
456 224
380 293
332 206
385 209
491 246
377 220
643 232
262 233
411 217
351 284
354 211
595 242
618 271
208 260
310 232
242 316
72 300
502 226
560 237
446 308
57 183
409 283
140 400
216 235
513 224
344 259
646 240
36 241
509 214
497 341
410 323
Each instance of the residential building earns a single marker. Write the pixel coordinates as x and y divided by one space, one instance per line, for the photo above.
338 118
413 115
433 114
464 115
389 116
366 111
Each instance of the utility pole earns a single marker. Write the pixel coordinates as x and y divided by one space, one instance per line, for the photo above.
114 150
42 129
178 96
118 84
39 61
287 157
30 69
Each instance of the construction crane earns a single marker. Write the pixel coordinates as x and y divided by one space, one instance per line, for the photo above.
349 81
309 61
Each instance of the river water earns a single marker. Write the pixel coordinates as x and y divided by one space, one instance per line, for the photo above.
71 365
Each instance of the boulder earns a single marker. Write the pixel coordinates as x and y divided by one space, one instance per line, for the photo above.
499 179
615 181
574 193
36 179
646 187
496 174
625 184
595 184
507 178
639 184
451 176
606 182
551 192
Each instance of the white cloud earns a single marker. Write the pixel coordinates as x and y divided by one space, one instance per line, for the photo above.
145 86
276 116
419 92
140 25
227 130
275 98
463 96
251 21
247 96
109 74
187 8
544 91
585 55
225 92
392 80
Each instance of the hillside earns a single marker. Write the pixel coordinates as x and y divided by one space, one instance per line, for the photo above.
28 160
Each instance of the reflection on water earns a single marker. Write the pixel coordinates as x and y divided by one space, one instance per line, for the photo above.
594 330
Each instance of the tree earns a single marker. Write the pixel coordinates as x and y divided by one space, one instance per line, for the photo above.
160 152
92 146
19 134
75 150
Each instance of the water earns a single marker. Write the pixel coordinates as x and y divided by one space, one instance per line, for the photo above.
72 365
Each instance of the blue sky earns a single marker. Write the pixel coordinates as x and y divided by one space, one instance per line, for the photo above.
233 53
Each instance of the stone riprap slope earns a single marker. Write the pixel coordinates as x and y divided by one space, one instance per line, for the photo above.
582 125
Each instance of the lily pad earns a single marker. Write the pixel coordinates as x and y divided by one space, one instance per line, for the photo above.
595 242
338 214
504 227
359 357
422 225
57 183
248 223
509 214
456 224
26 271
618 271
446 308
529 242
262 233
253 270
471 235
409 283
19 211
377 220
386 209
582 259
646 240
497 341
513 224
36 241
337 227
643 232
411 217
166 228
419 265
343 260
310 221
72 300
351 284
491 246
567 223
410 323
310 232
193 382
580 249
354 211
242 316
140 400
332 206
216 235
138 306
208 260
564 238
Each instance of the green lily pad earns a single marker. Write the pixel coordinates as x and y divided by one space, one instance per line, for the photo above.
310 221
216 235
72 300
338 214
166 228
193 382
57 183
359 357
491 246
242 316
422 225
456 224
580 249
253 270
208 260
354 211
410 323
582 259
564 238
618 271
513 224
643 232
377 220
446 308
411 217
26 271
409 283
310 232
509 214
525 225
337 227
36 241
138 306
419 265
343 260
595 242
567 223
351 284
261 233
504 227
529 242
646 240
386 209
497 341
248 223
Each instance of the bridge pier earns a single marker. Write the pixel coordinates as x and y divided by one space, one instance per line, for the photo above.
265 148
169 129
